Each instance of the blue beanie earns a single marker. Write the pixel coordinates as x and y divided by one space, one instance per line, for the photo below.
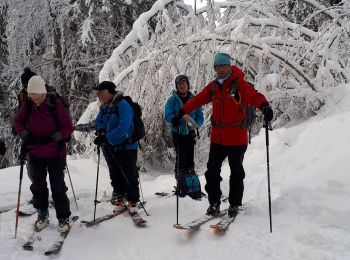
222 59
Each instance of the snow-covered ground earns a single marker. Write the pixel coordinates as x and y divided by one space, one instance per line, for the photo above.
310 204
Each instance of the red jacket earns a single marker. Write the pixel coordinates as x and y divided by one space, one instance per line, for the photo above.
41 124
226 110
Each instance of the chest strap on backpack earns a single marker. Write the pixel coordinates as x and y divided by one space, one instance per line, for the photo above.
219 124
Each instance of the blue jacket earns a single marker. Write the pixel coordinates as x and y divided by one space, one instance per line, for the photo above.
118 125
173 105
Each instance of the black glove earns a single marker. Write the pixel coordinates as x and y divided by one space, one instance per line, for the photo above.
100 140
56 136
267 111
99 132
24 135
175 122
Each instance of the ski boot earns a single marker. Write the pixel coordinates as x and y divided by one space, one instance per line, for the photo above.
232 211
133 209
63 225
42 220
119 203
214 209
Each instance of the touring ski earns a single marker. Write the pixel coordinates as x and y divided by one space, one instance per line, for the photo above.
223 224
139 221
225 221
27 209
101 219
57 245
199 221
35 236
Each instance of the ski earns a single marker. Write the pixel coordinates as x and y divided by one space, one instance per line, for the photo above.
164 194
27 212
101 219
35 236
199 221
224 223
139 221
27 209
57 245
173 193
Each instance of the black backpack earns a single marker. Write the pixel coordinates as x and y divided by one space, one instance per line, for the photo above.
248 110
139 131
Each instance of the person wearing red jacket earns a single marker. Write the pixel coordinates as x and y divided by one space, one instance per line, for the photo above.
229 93
43 139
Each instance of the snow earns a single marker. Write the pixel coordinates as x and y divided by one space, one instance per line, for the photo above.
309 191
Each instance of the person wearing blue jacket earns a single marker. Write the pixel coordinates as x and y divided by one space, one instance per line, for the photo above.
185 139
114 126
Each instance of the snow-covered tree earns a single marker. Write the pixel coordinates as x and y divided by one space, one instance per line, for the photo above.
66 41
292 51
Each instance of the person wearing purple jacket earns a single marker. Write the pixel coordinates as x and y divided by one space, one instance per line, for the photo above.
42 137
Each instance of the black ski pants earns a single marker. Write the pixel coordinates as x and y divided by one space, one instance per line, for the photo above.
37 170
123 172
184 147
217 155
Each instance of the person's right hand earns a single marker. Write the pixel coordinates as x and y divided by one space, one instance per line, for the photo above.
175 122
99 132
100 140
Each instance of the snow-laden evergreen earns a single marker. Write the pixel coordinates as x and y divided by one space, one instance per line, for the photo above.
310 209
291 51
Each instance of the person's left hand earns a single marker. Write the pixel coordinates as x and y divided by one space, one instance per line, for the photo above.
56 136
267 112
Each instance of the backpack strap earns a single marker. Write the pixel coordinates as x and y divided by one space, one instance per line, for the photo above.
237 98
52 110
116 104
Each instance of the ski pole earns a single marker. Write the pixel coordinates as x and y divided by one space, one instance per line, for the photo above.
98 171
143 199
267 128
126 178
22 158
71 184
178 174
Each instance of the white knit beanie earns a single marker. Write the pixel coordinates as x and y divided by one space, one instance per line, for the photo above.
36 85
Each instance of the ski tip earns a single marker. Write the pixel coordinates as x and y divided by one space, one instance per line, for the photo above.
216 228
27 248
75 218
141 223
49 253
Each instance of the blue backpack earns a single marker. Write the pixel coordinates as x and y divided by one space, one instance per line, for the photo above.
189 184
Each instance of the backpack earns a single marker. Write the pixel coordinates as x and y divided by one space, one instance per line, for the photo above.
248 110
189 184
53 96
139 131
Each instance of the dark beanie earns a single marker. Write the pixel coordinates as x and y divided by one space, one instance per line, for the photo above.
180 78
25 77
109 85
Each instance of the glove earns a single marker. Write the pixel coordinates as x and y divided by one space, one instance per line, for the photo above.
267 111
99 132
56 136
24 135
175 122
27 137
100 140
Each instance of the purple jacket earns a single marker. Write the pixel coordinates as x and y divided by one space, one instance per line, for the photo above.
41 125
